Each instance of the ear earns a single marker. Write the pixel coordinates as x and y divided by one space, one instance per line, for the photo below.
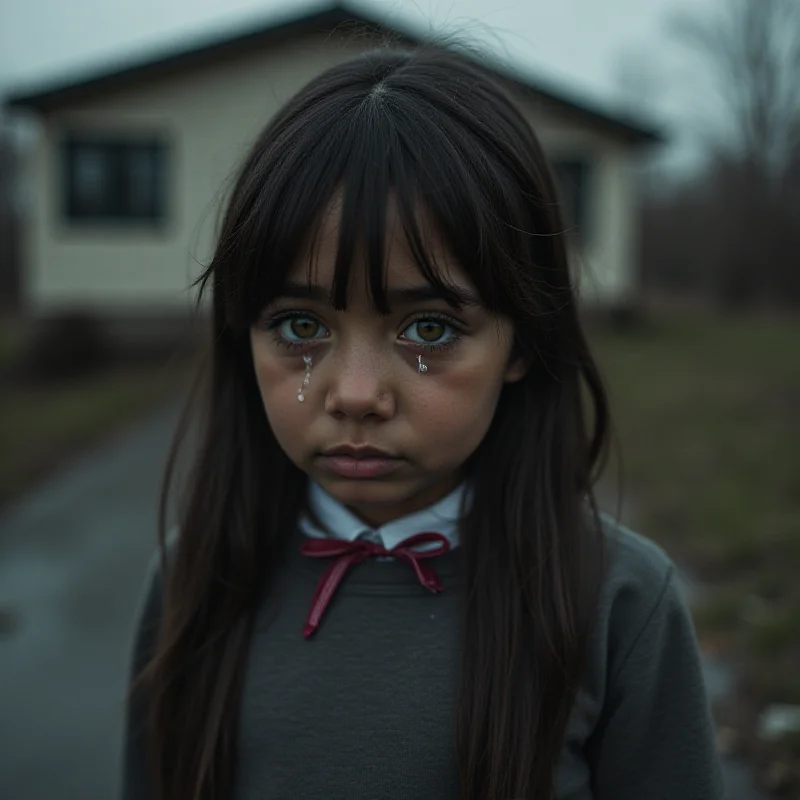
517 369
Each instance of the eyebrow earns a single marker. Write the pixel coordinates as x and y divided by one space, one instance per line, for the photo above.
457 296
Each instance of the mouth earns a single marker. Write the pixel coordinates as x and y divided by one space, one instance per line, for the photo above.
359 461
357 451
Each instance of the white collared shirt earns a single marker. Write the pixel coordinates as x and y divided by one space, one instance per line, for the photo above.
442 517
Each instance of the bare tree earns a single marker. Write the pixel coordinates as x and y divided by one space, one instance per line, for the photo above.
749 193
752 48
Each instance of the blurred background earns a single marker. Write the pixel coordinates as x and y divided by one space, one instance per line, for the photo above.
673 128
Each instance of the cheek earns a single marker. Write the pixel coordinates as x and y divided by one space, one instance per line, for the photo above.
457 411
278 385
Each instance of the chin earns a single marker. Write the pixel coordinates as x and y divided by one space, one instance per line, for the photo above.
366 492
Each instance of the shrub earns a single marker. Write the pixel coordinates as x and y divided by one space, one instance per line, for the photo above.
66 346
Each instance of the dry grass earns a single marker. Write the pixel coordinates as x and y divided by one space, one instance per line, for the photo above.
44 425
708 416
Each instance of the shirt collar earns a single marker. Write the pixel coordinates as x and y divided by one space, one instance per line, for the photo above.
442 517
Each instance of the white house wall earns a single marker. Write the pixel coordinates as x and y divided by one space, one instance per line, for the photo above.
605 262
211 115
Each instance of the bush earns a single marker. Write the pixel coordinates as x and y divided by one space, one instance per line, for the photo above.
66 346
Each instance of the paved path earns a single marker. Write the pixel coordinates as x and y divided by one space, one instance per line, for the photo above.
72 559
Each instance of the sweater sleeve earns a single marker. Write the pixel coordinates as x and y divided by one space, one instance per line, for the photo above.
655 736
135 779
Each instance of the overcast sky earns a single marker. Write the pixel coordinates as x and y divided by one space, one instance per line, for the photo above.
579 44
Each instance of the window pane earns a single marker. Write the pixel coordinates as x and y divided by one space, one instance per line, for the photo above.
141 180
115 179
91 179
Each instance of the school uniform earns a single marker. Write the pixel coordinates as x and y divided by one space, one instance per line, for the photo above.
363 709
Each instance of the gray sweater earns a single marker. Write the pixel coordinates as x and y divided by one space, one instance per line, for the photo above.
363 710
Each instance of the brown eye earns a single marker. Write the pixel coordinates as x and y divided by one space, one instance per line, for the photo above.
430 330
304 327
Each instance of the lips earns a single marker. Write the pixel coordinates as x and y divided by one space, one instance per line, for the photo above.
357 451
359 461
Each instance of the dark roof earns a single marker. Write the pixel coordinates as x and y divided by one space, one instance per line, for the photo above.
323 18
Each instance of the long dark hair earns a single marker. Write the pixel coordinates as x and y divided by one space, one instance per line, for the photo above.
434 132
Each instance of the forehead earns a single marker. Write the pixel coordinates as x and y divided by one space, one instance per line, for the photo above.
400 265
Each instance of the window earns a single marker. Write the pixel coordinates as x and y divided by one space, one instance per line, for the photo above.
114 179
573 178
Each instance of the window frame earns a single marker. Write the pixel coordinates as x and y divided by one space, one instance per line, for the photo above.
578 212
118 148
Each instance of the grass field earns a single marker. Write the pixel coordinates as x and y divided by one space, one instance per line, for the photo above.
707 411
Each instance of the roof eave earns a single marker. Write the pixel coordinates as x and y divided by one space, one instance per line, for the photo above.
323 17
59 94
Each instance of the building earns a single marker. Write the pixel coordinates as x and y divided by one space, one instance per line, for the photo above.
131 164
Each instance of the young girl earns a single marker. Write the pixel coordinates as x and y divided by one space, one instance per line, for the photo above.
390 578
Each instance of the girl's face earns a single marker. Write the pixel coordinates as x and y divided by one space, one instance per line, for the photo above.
366 389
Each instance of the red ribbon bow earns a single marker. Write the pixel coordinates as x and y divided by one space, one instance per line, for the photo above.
349 553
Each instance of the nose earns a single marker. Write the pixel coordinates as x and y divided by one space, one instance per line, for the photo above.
360 385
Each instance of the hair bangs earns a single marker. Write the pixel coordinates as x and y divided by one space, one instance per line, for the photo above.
383 195
387 158
415 163
455 196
